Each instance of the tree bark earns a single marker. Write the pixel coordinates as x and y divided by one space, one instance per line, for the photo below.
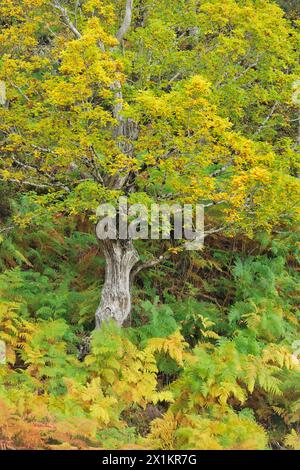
121 257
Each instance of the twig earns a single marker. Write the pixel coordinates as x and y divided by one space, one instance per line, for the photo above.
149 264
26 182
66 18
7 229
220 170
266 119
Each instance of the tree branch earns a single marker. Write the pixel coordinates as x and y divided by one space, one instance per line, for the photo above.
214 203
215 230
20 91
26 182
7 229
126 21
54 182
149 264
221 170
37 185
266 119
154 262
64 14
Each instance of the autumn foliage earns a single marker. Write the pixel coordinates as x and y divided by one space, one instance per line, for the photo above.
192 102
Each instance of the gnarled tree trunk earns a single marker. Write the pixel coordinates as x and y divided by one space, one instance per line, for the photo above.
121 257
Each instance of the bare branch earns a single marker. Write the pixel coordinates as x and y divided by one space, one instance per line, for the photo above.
43 173
91 164
126 21
7 229
174 77
43 149
36 185
214 203
154 262
267 118
215 230
221 170
77 4
20 91
149 264
27 183
251 66
66 18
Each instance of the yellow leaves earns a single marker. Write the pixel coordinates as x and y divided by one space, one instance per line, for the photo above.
241 432
62 93
178 103
260 175
34 3
153 105
174 346
215 431
256 191
162 434
196 86
292 440
122 163
216 376
103 409
165 395
248 153
100 413
274 358
124 372
209 334
136 382
205 332
14 330
175 250
109 374
250 371
280 356
92 399
5 174
149 159
69 96
83 60
97 115
105 10
94 32
92 390
227 389
205 190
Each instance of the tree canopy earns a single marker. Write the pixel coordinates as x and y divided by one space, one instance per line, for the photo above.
190 101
